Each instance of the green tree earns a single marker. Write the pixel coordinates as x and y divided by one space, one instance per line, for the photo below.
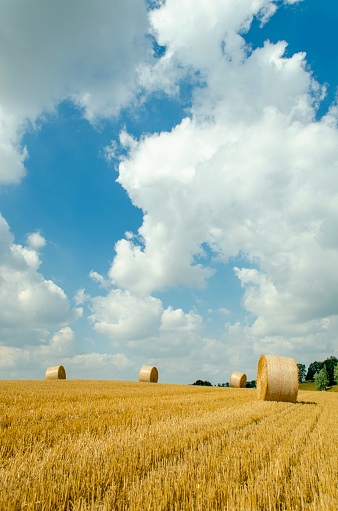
301 372
330 364
321 379
335 373
313 368
316 367
205 383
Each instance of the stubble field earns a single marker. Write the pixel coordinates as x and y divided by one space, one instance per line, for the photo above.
107 445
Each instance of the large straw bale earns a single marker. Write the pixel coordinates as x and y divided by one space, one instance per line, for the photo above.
237 379
148 374
55 373
277 379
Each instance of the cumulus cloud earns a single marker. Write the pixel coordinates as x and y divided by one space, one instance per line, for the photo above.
35 241
97 364
61 348
99 279
87 51
141 325
61 345
250 173
10 358
12 155
29 304
81 297
120 315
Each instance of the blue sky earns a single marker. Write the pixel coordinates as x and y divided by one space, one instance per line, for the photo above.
168 187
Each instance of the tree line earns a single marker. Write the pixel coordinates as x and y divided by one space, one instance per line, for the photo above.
324 374
206 383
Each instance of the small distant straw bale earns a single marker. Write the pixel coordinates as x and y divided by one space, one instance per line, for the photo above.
237 379
277 379
55 373
148 374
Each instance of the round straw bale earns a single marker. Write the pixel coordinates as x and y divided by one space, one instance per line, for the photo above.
148 374
277 379
237 379
55 373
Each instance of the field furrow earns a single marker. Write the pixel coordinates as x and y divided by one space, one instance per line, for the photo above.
78 445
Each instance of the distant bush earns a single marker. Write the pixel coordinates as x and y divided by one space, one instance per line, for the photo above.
202 383
335 374
321 379
316 367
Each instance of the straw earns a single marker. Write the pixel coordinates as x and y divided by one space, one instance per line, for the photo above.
148 374
277 379
55 373
237 379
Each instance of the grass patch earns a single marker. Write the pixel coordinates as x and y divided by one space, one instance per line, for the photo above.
308 385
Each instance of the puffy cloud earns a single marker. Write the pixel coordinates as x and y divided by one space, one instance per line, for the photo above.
120 315
36 241
175 320
12 357
96 363
33 360
85 48
141 325
96 277
12 155
251 173
61 345
61 348
185 28
29 304
81 297
87 51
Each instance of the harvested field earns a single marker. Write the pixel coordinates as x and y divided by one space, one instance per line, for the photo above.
106 445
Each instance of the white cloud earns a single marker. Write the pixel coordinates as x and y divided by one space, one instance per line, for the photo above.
81 297
193 32
36 241
56 49
99 279
89 362
175 320
251 173
29 304
140 325
12 155
11 357
88 51
223 310
61 348
61 345
120 315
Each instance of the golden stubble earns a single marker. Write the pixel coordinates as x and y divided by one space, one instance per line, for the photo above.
107 445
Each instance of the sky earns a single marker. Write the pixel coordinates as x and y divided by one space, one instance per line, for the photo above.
168 186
